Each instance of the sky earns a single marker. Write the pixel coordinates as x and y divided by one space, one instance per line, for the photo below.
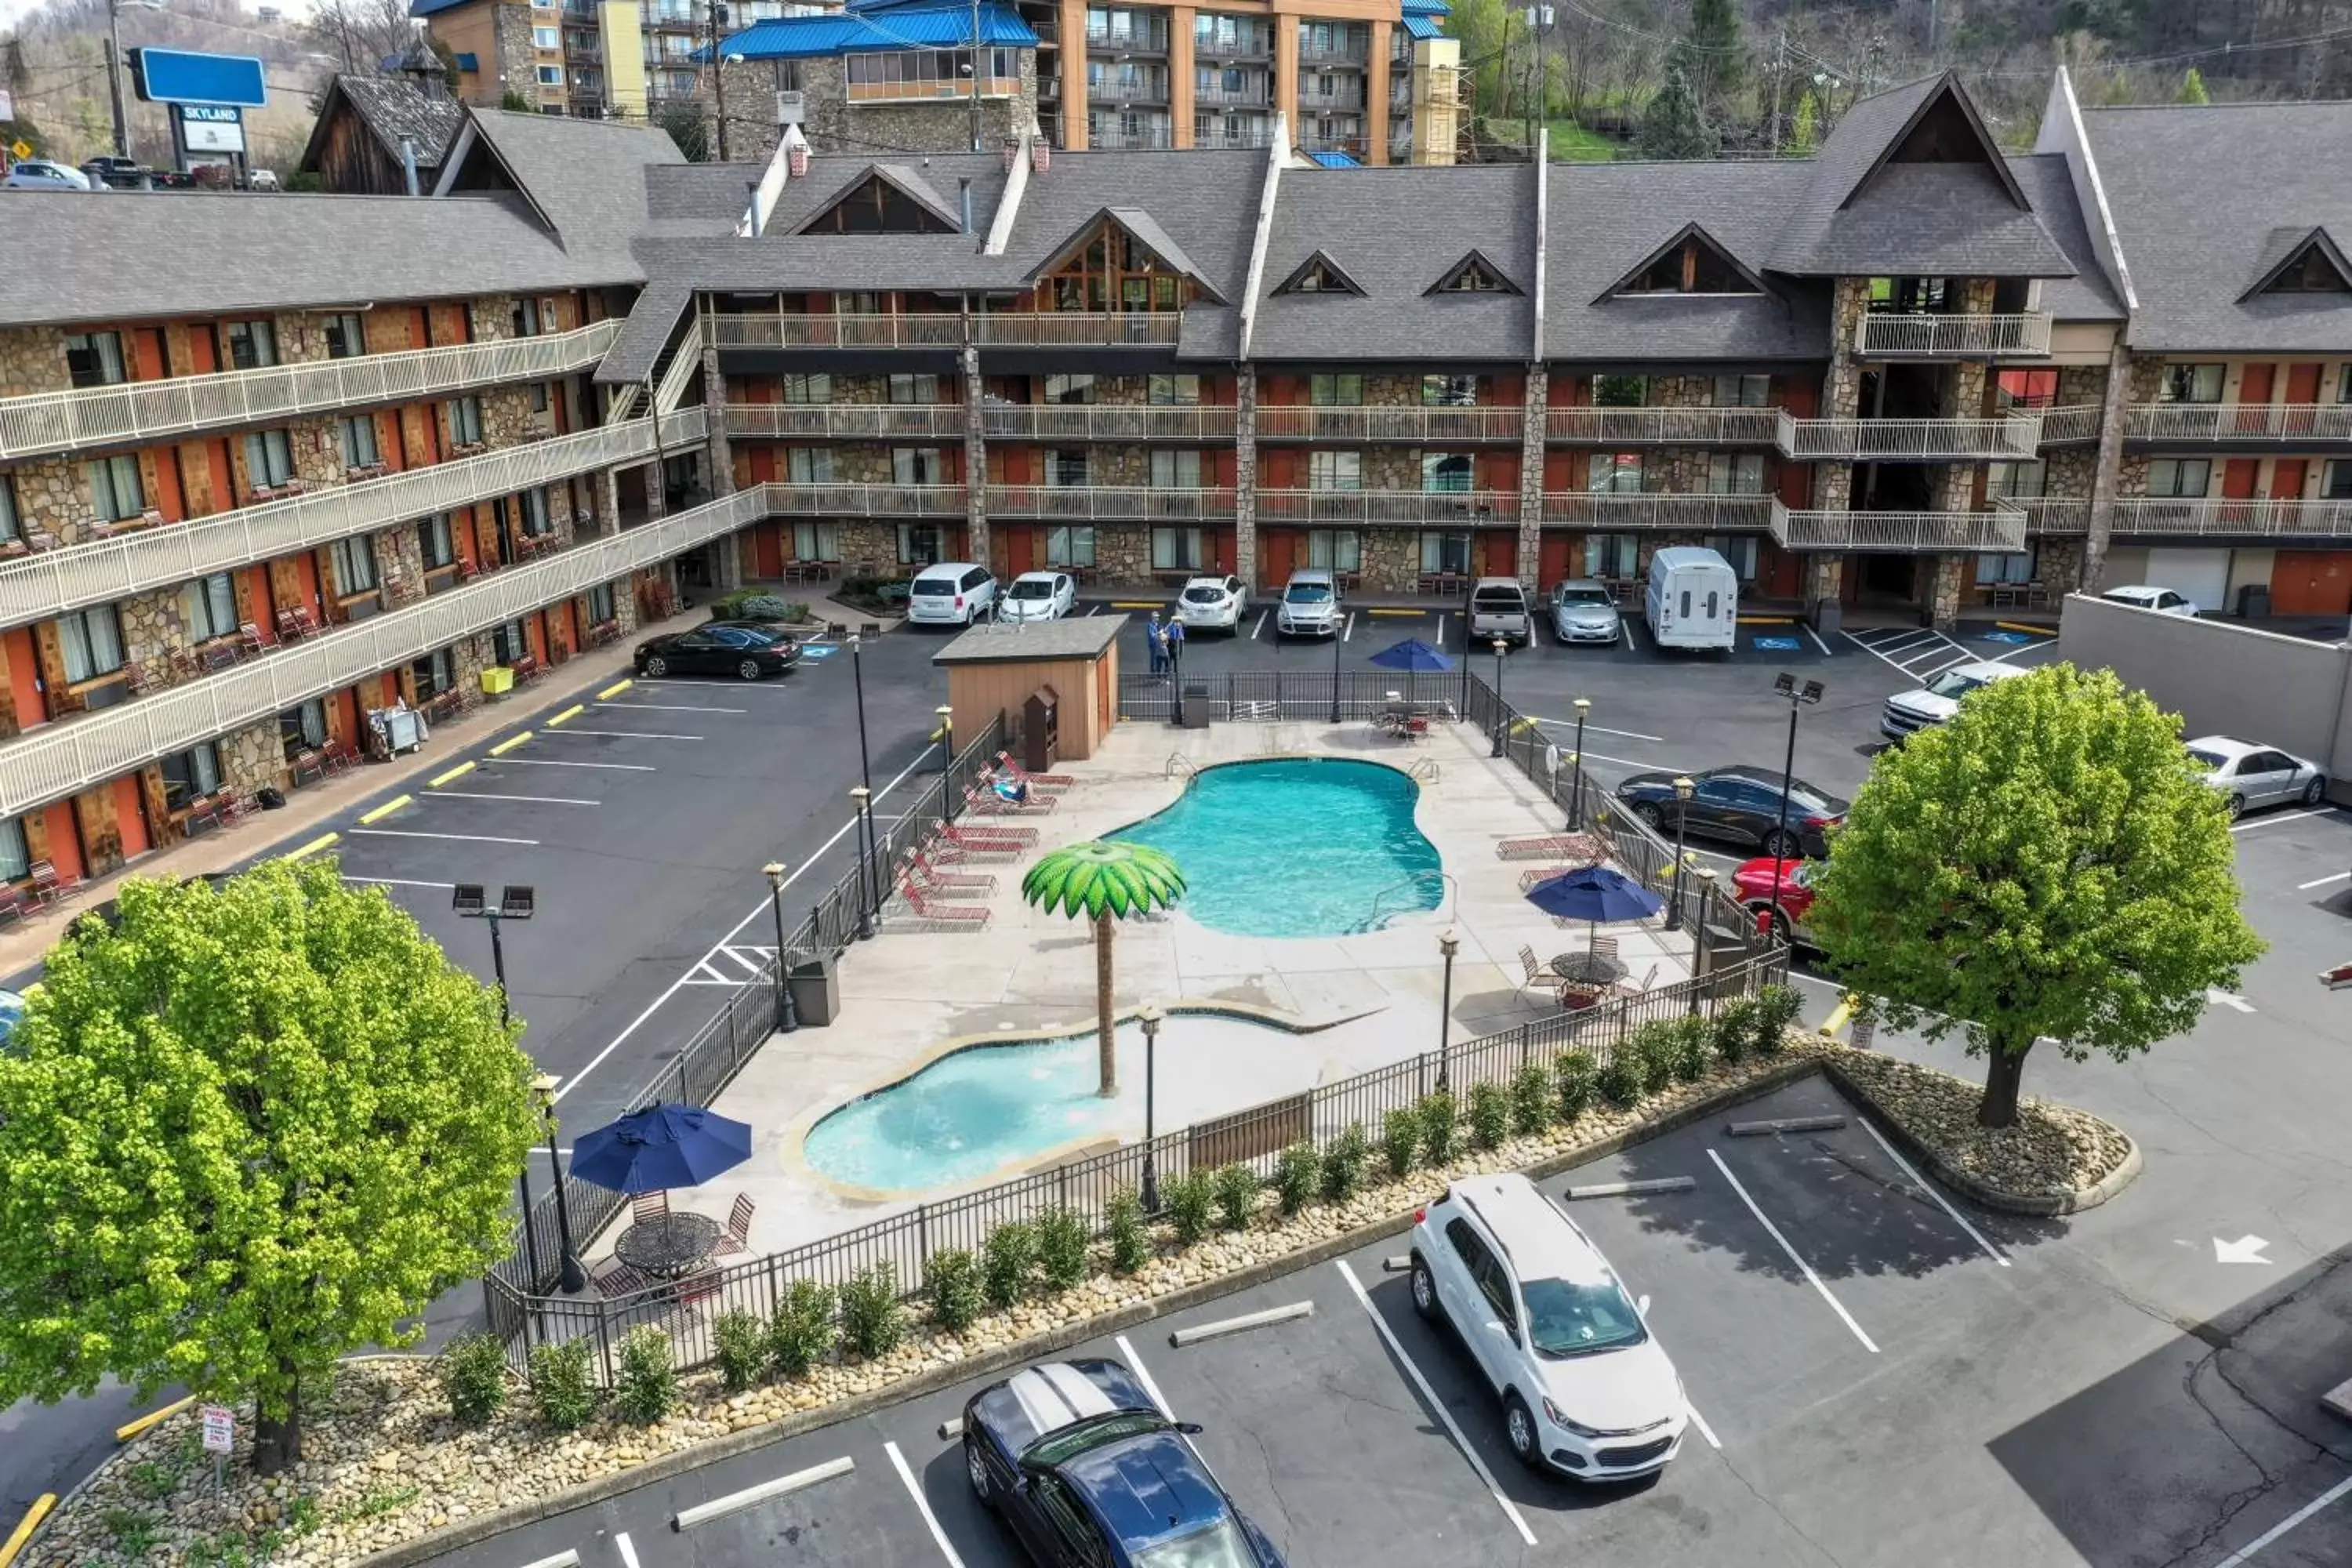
10 10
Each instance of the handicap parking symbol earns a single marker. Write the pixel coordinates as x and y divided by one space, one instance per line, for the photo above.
818 650
1776 645
2005 636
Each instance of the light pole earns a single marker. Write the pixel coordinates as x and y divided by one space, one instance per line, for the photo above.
865 916
1698 927
975 74
1683 789
788 1017
516 902
1799 696
1499 710
1576 812
1150 1019
1335 669
865 762
542 1092
946 716
114 67
1448 943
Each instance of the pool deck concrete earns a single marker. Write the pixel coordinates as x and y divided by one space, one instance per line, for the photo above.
916 987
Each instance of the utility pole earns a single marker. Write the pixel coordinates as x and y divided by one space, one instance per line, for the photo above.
114 76
1780 69
975 74
718 80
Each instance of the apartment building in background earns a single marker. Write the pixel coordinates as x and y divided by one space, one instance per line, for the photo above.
591 58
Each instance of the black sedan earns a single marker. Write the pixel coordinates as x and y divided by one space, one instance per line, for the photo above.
1741 805
739 648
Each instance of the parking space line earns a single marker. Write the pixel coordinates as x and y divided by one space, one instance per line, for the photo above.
1350 634
685 1519
458 838
526 799
630 734
627 1548
1975 1236
2283 817
1699 1421
1258 630
564 1559
1825 654
1435 1406
668 707
922 1505
1835 1305
551 763
1601 730
397 882
2245 1553
1143 1375
1630 763
2322 881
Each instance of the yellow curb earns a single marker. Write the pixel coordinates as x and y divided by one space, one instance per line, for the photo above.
510 743
573 712
619 686
1416 614
1839 1016
386 809
460 771
1767 620
2022 626
32 1522
1135 603
123 1433
312 848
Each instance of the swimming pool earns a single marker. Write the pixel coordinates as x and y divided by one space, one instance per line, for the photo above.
1296 846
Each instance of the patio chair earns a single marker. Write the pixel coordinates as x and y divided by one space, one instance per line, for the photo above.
1528 878
649 1206
1604 947
737 1237
618 1279
1630 988
947 881
14 906
987 837
1539 978
309 767
950 849
1550 846
50 887
1005 765
968 915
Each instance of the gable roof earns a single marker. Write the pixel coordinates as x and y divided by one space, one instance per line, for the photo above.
1694 230
389 107
566 170
1479 260
1319 262
1145 231
2291 246
899 177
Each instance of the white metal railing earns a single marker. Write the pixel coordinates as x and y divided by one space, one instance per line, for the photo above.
2226 422
864 501
1894 334
624 403
1125 502
1252 94
35 587
2002 530
1713 427
684 365
2075 423
143 410
846 421
2055 515
1705 512
1407 422
1046 329
57 760
2211 515
1108 422
1052 329
1431 508
2014 436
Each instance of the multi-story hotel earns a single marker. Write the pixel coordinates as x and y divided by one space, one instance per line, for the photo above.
269 463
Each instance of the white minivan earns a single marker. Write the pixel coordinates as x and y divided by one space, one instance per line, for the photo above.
1692 599
958 592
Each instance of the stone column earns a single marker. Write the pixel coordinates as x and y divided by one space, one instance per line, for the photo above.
1376 95
1824 578
2109 465
975 460
714 399
1840 399
1531 478
1245 474
1179 75
1948 578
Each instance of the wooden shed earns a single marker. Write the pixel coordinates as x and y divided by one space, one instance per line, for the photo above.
1073 664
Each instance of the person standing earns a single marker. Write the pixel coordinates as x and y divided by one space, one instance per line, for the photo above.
1158 639
1176 646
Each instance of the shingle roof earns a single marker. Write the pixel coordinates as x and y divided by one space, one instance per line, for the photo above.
576 174
645 333
2089 295
1077 637
391 107
2196 193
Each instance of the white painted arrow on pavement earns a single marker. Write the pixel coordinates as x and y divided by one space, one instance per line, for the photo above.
2246 1249
2226 999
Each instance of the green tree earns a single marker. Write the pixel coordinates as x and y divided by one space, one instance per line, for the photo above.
2047 865
683 120
1673 127
513 102
1713 55
1805 128
2192 87
248 1129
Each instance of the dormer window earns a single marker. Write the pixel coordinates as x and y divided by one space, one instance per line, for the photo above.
1690 263
2312 272
1318 273
1474 274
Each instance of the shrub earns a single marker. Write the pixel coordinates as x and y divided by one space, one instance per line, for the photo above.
474 1377
740 1342
1619 1080
1062 1245
561 1385
1237 1187
1005 1260
1130 1237
1490 1115
752 605
646 1388
955 1289
1693 1042
1297 1176
872 1320
1191 1203
1400 1141
1530 1100
1574 1072
1440 1126
802 1331
1344 1163
1650 1051
1777 1007
1735 1028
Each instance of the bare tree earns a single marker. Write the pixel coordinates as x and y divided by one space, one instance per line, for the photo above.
363 33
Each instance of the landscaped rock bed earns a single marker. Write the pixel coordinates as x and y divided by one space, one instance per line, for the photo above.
2051 1160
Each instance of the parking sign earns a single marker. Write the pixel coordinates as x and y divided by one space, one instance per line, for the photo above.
220 1429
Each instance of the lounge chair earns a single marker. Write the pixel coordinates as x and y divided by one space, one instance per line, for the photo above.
951 848
988 803
941 914
1005 765
919 866
1581 846
988 838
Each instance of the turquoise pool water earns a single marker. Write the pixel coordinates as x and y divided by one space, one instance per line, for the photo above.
1298 847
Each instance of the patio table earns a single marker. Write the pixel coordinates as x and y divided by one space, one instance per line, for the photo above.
669 1246
1587 968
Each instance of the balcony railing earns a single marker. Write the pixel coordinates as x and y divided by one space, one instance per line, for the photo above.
864 501
1344 97
1233 130
2224 424
145 410
1108 422
1427 509
2014 437
59 760
1255 48
2001 530
1408 422
2050 515
1703 513
1111 503
1078 329
36 588
1251 94
1151 139
2070 425
2226 519
1350 52
1891 334
930 91
1047 329
846 421
1635 426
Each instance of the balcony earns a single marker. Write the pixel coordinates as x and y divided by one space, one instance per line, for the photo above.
1110 503
1622 513
59 760
1078 329
1892 335
1678 426
2051 517
1999 531
1151 41
2070 425
1409 422
2260 424
845 421
1341 96
1151 139
1420 508
1048 329
1235 130
148 410
1105 421
2221 519
36 588
1252 94
1348 52
1254 47
2014 438
864 500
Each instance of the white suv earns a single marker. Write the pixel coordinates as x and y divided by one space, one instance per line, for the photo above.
1586 1390
958 592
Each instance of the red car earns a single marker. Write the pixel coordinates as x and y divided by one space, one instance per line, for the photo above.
1752 885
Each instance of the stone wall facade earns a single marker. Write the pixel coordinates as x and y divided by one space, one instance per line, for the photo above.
1122 553
518 62
1389 560
254 757
833 124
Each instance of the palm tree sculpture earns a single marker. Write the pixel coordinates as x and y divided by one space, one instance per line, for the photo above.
1104 879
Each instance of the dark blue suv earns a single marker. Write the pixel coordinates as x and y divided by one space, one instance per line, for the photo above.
1080 1463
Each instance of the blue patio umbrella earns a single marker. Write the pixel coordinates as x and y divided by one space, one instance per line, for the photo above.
1413 654
660 1147
1594 894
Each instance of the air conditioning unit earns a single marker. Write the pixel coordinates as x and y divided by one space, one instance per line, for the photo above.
791 108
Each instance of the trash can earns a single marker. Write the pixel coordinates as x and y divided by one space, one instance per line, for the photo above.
2254 601
1826 614
815 980
1196 705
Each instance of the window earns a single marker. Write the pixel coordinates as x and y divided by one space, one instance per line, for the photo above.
918 543
1070 546
510 643
436 541
1176 550
1336 391
810 388
2014 481
359 442
2344 383
2179 476
536 522
918 466
2191 383
1444 472
1451 391
2018 568
915 389
353 563
15 860
1729 474
1738 550
209 606
12 522
433 674
1069 389
600 600
465 420
1910 296
346 339
1334 548
816 541
1446 551
1743 391
1613 556
1471 275
1693 266
1066 469
1176 470
1620 391
547 37
2025 389
252 344
526 318
95 359
92 640
2336 482
2310 273
1176 391
1335 470
552 76
269 459
808 465
189 773
114 489
1614 473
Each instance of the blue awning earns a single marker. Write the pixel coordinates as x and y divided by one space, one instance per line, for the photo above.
1334 159
864 32
1418 27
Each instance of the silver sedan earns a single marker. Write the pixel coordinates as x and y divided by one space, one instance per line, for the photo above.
1583 611
2253 776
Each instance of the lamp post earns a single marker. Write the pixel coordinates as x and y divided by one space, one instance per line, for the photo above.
946 716
1499 710
865 764
516 902
114 9
1150 1019
1576 811
1448 943
1698 928
1335 668
1799 696
865 913
788 1017
1683 789
542 1092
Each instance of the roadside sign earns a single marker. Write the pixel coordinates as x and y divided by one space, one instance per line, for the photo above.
21 149
220 1429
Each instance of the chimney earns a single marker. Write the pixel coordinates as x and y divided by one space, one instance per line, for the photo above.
408 164
1041 156
796 152
1011 153
966 185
